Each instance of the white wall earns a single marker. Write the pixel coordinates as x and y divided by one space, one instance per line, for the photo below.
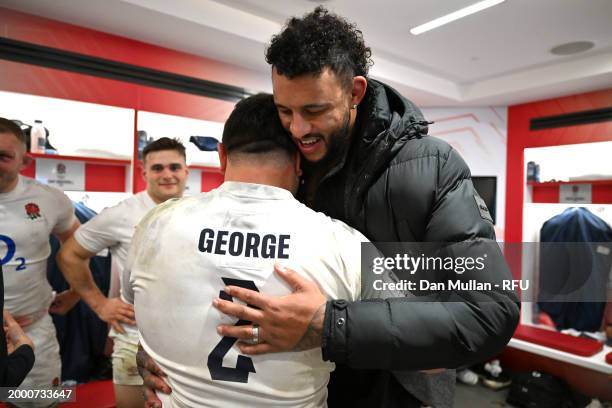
75 128
563 163
158 125
480 135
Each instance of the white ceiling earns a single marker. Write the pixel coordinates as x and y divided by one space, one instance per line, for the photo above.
497 57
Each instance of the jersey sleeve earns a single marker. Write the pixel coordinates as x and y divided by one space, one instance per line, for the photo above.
360 277
100 232
65 213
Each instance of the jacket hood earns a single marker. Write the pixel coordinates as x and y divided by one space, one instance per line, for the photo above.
386 120
385 109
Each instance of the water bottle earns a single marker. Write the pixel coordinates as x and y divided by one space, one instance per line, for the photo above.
38 137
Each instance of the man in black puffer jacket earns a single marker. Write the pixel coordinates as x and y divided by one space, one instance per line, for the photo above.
369 163
396 184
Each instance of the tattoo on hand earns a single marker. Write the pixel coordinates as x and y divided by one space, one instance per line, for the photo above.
140 363
314 332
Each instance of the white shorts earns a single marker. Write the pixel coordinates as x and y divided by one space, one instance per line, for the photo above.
125 371
47 368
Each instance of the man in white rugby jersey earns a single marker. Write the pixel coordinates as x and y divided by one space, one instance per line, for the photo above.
29 213
186 251
165 172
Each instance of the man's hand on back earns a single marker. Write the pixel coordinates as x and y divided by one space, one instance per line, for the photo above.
152 377
287 323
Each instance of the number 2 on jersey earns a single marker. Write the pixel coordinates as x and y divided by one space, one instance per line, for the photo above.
244 365
10 252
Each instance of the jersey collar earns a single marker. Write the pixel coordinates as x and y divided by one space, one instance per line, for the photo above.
252 190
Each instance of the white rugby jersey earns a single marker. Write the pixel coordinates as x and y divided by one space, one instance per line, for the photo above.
187 250
28 216
113 228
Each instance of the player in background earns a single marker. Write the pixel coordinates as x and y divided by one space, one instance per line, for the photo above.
29 213
165 172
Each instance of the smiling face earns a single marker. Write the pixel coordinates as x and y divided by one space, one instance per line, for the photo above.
12 160
165 172
316 110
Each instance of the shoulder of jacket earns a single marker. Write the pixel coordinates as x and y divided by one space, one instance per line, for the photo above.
418 148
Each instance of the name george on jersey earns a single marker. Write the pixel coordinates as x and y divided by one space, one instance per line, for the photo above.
246 244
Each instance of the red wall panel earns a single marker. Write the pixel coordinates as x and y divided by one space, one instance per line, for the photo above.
520 138
211 179
30 171
546 194
138 181
100 177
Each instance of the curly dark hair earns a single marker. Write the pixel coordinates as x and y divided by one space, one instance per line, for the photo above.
318 40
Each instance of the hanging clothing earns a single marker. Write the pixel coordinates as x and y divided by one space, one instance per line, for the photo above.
567 267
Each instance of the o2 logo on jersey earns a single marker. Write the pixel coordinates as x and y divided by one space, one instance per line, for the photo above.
11 248
244 365
32 211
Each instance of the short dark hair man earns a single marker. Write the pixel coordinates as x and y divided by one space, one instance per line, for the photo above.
164 143
369 163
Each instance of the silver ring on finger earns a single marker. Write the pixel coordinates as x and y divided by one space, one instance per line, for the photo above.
254 334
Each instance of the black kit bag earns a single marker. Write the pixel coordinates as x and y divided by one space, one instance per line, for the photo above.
539 390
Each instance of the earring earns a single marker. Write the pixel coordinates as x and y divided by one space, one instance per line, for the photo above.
355 106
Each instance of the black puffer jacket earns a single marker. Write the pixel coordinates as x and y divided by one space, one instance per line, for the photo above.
397 184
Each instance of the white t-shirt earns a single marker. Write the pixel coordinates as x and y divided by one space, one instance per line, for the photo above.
113 228
28 216
186 251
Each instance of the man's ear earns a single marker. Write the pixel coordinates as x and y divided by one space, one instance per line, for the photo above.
222 157
143 167
360 84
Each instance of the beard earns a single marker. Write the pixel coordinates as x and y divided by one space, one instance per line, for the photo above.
337 146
